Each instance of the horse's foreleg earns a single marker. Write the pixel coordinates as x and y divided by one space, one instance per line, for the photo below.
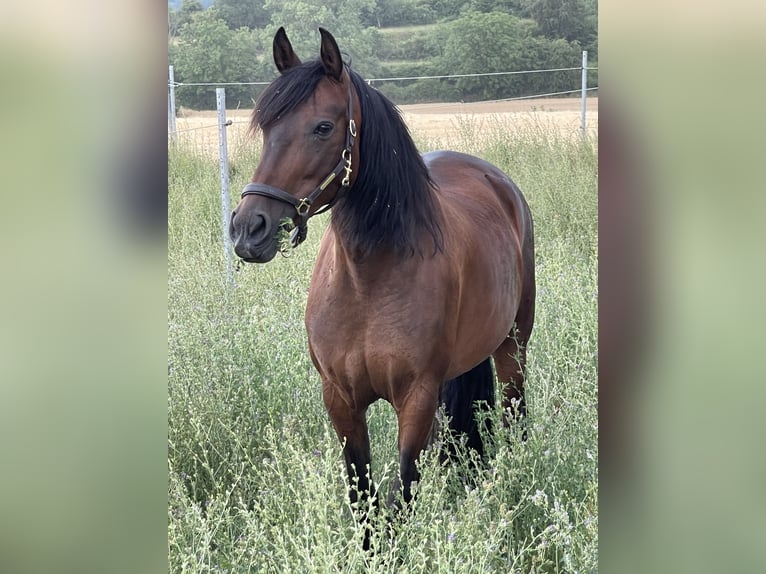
351 427
416 420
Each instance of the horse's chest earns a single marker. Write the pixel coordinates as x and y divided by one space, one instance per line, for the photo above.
380 340
353 326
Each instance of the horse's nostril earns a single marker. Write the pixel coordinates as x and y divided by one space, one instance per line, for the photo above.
249 228
259 227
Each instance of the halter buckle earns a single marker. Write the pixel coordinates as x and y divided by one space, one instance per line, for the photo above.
303 207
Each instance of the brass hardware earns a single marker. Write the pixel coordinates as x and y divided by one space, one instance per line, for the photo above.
303 207
346 155
327 181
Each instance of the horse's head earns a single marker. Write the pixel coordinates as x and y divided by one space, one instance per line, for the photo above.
308 117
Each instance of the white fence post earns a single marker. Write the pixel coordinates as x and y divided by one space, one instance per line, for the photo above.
584 90
171 103
220 98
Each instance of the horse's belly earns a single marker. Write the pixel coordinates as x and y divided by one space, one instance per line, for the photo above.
485 318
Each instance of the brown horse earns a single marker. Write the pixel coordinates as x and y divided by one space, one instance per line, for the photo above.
425 271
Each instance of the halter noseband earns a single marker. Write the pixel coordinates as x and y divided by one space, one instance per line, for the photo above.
303 206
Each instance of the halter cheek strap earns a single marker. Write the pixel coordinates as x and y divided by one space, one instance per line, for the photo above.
303 206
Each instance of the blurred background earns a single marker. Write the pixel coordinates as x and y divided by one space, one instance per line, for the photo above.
682 265
82 286
83 329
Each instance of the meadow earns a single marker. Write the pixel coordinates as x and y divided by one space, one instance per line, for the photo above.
256 476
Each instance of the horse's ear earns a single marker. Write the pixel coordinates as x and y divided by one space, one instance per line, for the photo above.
330 55
284 57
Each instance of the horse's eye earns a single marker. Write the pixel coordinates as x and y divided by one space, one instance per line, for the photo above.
323 129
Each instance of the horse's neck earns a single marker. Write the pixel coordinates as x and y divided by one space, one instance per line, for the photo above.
365 270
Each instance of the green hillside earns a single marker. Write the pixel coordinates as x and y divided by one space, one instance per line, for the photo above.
387 38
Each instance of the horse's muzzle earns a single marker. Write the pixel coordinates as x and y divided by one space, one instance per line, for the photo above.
253 235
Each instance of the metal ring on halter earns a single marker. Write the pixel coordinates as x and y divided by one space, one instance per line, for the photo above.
303 207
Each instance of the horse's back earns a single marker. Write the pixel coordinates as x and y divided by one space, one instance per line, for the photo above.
475 184
470 188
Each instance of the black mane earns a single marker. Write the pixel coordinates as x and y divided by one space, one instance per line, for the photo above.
282 96
391 202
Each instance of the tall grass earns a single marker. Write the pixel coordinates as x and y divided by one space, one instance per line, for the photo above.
256 478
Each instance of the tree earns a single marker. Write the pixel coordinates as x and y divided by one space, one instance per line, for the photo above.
302 18
250 14
178 17
391 13
480 43
499 42
572 20
208 51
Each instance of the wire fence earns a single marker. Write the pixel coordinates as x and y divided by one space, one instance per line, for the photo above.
393 79
583 89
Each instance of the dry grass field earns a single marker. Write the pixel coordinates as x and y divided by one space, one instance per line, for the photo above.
443 123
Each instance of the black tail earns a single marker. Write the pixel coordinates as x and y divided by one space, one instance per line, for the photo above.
459 396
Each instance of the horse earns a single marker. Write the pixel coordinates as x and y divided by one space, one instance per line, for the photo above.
424 274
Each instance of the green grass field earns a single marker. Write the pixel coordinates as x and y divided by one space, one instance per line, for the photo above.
256 477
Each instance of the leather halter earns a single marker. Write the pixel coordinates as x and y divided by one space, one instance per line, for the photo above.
303 206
